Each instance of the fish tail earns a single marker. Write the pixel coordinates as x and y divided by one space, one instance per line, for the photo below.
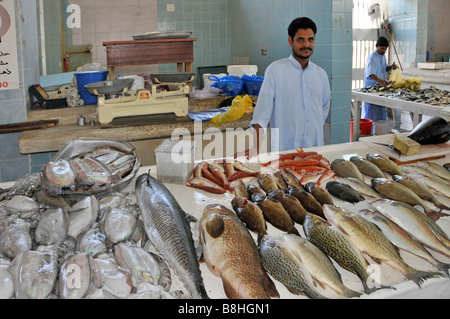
351 293
369 290
445 268
419 276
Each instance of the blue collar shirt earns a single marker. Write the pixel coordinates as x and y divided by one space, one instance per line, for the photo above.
375 64
295 103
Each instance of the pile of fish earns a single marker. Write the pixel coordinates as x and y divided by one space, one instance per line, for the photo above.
92 172
119 245
218 177
282 226
50 248
306 166
431 95
333 234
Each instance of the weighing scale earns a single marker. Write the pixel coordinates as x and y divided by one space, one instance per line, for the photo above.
44 99
115 101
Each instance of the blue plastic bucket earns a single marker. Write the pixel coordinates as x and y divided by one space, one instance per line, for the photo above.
88 77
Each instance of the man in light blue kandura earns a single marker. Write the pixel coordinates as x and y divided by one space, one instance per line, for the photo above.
375 72
295 96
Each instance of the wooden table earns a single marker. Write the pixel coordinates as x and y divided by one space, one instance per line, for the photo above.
416 109
140 52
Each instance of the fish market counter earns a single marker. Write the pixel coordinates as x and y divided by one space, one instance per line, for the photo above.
127 129
416 109
193 201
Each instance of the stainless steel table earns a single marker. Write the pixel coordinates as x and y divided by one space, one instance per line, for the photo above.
416 109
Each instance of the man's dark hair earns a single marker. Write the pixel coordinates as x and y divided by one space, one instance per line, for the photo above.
382 42
301 23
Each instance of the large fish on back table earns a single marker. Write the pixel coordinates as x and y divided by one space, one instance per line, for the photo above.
370 240
167 227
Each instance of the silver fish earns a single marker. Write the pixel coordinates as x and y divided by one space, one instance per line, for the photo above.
432 181
281 266
435 168
370 240
34 274
337 246
396 191
66 287
411 220
421 190
401 238
167 227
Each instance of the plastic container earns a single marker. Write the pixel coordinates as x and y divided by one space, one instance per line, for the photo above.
209 79
383 127
240 70
365 128
88 77
175 161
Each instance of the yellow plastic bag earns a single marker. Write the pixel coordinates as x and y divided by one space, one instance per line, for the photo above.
248 103
238 107
396 77
413 83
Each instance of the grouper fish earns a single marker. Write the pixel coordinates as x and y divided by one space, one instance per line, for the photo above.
337 246
300 266
167 226
230 253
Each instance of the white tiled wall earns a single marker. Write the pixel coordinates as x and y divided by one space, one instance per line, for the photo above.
114 20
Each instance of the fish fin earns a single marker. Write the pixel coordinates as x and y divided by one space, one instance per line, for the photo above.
190 218
418 276
215 225
269 285
230 291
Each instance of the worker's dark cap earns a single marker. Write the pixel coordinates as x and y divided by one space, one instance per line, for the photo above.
382 42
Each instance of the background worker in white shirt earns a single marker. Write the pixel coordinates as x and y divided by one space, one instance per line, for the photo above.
294 99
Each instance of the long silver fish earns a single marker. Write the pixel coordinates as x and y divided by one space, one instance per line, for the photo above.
432 181
435 168
167 227
396 191
411 220
401 238
370 240
421 190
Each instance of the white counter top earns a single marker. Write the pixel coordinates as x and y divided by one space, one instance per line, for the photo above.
193 201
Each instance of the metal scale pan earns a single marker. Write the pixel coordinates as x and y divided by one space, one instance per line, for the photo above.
109 87
178 77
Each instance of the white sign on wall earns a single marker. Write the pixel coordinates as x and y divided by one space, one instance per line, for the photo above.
9 68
